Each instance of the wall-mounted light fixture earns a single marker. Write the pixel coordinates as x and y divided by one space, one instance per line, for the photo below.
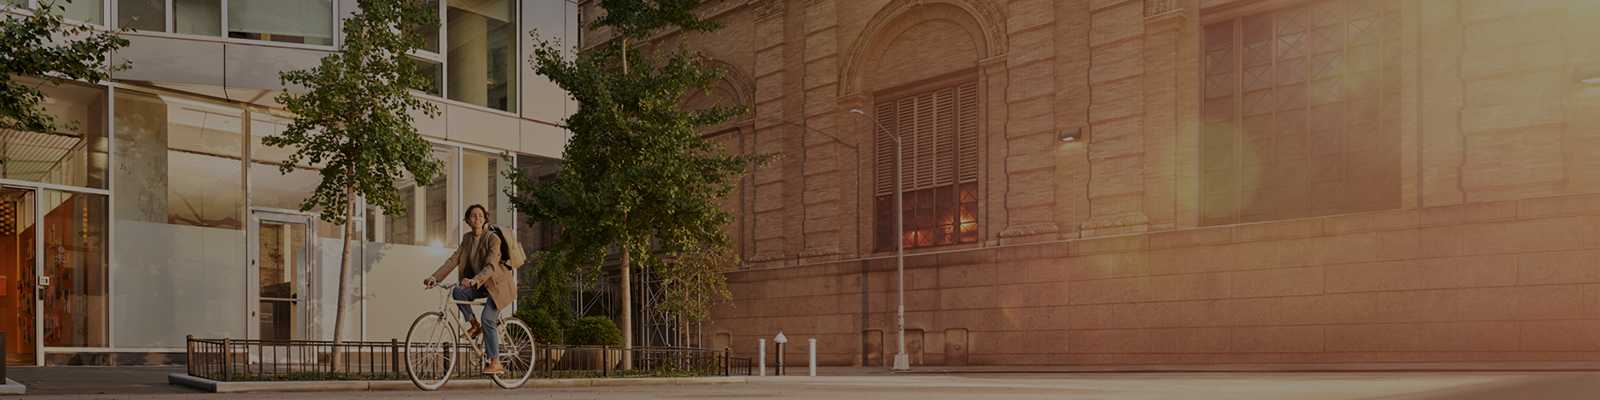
1070 134
1587 74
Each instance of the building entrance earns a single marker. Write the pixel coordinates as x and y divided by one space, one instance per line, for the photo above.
281 273
18 272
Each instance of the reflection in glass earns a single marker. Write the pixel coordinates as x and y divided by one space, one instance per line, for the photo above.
542 235
483 63
82 10
430 218
74 312
482 183
143 15
75 155
270 187
197 17
434 73
180 154
432 32
290 21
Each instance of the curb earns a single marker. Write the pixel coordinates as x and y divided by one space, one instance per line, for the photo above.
330 386
12 387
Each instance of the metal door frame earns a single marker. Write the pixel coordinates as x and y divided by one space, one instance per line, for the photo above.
38 269
307 271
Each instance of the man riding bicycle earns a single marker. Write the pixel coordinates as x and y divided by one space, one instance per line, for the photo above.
481 275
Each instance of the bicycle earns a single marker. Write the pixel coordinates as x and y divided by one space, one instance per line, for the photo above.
433 346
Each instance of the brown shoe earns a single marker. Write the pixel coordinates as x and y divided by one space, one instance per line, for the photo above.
494 367
474 331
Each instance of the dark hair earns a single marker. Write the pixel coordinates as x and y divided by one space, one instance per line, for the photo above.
468 215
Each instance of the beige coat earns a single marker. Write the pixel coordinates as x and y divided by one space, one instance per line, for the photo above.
492 275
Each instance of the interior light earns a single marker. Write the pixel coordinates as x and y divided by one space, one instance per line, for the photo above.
1589 74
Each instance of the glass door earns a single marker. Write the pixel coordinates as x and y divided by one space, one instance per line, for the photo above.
281 273
18 297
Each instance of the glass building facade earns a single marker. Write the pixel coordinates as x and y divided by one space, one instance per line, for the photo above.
159 212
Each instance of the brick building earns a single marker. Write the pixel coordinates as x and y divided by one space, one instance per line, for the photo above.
1249 181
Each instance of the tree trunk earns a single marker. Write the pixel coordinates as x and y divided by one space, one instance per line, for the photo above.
627 312
344 272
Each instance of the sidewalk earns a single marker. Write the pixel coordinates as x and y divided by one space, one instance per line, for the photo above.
1528 366
154 379
98 380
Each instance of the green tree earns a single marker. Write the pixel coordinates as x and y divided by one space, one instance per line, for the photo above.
354 121
27 48
636 170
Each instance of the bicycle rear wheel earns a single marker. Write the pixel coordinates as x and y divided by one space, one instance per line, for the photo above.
432 346
516 353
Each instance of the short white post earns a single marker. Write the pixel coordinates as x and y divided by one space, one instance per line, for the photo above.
763 357
813 357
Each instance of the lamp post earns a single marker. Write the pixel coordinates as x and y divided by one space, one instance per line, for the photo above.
901 361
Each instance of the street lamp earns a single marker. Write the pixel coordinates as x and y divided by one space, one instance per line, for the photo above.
901 361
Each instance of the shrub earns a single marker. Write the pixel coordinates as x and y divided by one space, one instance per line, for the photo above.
594 331
546 327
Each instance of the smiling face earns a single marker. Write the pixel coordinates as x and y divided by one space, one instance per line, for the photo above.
475 218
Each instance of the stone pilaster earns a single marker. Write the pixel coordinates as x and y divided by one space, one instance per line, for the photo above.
1116 116
824 156
992 92
1029 127
1163 23
768 204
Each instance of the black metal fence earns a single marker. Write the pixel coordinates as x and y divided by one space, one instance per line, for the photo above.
235 360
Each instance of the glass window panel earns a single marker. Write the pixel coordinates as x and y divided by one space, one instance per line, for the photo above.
91 11
270 187
481 52
1323 87
431 33
291 21
434 73
76 155
483 183
179 202
143 15
429 218
197 17
542 235
74 312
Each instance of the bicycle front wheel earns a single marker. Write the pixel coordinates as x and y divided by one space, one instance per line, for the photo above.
516 353
432 346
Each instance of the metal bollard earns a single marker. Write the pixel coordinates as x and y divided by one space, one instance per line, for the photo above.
763 356
781 341
813 363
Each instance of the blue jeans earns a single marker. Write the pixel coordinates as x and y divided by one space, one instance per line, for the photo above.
491 316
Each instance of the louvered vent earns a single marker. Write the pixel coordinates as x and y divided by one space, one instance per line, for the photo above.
940 134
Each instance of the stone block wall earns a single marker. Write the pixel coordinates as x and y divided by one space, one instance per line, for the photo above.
1093 251
1497 281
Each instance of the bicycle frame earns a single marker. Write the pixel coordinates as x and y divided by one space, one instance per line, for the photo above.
448 306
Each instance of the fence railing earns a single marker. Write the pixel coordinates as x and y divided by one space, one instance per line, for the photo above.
233 360
739 366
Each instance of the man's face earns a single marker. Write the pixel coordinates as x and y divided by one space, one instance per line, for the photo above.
476 218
